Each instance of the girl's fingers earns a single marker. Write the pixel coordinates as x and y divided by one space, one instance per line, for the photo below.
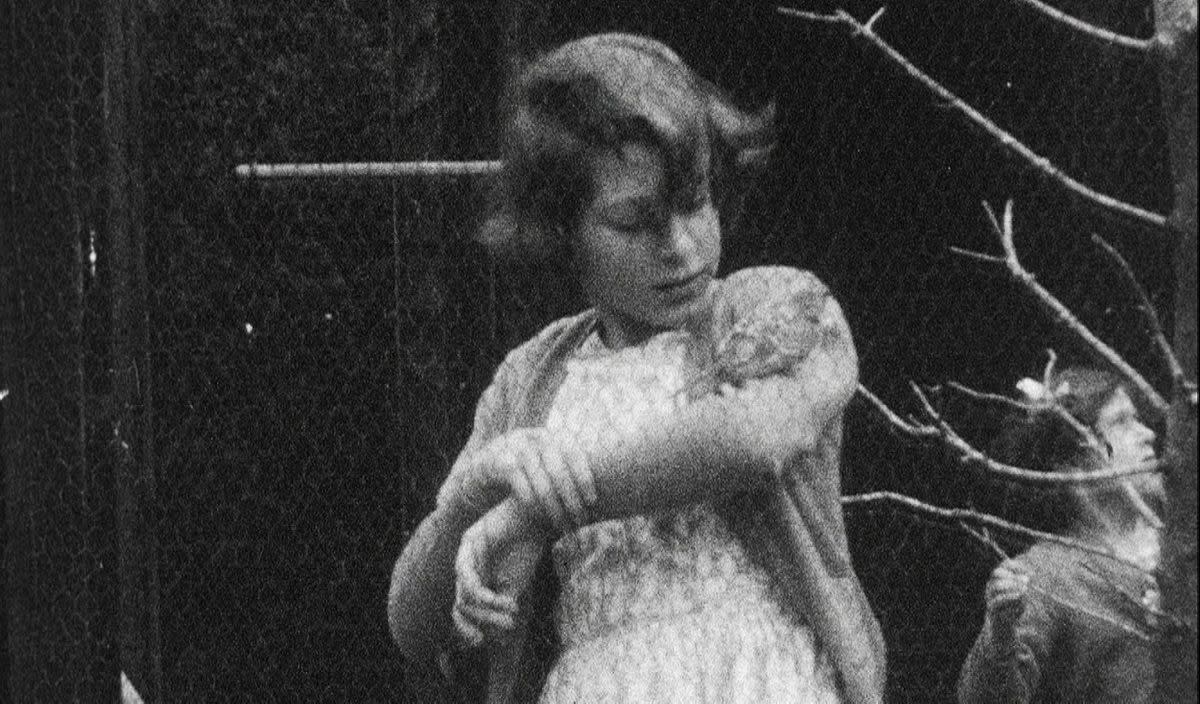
485 619
1013 567
583 474
541 489
470 587
465 563
1008 600
479 597
469 632
560 475
582 484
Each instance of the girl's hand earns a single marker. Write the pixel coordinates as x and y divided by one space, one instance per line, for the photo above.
475 481
550 477
547 475
1005 597
495 564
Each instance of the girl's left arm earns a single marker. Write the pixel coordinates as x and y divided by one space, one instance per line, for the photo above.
722 444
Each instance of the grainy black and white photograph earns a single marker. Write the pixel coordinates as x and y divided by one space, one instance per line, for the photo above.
598 351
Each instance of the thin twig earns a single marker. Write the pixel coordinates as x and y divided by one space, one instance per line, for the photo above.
1134 601
810 16
1106 204
1060 314
988 398
977 256
920 432
870 25
1165 350
972 457
1051 355
984 519
1107 38
982 536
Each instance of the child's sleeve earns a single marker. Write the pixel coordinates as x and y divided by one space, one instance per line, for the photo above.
422 586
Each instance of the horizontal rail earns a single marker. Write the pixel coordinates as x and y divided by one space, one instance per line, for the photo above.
368 169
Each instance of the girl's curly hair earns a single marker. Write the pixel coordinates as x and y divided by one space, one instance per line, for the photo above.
599 93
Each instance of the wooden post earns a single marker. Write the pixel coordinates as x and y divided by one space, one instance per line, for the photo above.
130 438
57 542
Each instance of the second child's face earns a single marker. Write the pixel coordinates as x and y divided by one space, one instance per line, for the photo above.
647 260
1131 442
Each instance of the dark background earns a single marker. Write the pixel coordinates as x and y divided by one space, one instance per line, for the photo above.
312 351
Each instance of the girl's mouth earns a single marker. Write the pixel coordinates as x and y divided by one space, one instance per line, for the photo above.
680 284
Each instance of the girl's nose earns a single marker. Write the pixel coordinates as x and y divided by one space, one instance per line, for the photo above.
678 241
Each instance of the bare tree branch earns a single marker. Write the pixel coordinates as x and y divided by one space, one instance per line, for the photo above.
977 256
919 432
985 538
970 516
1178 378
982 537
994 399
1106 204
1106 37
970 456
1063 316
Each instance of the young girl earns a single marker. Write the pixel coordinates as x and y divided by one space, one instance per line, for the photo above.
673 450
1064 625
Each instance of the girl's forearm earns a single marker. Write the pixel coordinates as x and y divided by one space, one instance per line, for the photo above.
724 444
708 450
719 445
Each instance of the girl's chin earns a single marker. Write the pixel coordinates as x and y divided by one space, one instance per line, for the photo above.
685 311
692 316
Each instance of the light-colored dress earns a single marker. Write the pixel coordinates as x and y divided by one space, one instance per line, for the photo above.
664 609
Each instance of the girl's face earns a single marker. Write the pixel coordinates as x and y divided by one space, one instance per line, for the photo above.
1118 425
647 258
1132 442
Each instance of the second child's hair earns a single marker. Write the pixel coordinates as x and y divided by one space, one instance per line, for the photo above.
600 93
1046 442
1043 441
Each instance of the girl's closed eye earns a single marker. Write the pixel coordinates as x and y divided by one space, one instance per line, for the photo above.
694 198
632 218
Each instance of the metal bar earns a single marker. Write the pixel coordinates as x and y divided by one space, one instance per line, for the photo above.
368 169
